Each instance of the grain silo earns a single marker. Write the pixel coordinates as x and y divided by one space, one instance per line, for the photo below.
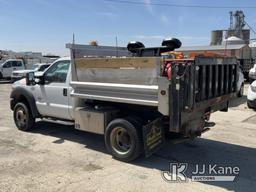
216 37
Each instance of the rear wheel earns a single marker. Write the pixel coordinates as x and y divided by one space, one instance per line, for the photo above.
123 139
23 117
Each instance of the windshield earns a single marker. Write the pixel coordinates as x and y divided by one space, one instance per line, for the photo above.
35 67
42 67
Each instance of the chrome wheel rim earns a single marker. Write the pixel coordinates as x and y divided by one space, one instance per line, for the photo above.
120 140
21 117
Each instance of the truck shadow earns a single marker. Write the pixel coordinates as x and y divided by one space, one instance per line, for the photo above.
5 82
238 101
209 152
66 132
197 152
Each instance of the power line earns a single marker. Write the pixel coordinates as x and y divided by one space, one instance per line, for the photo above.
178 5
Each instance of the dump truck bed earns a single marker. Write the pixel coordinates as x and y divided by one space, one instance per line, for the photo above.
111 74
127 80
141 80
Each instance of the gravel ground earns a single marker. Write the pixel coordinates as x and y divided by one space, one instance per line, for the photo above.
58 158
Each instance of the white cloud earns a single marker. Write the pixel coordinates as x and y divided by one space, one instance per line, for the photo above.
181 19
108 14
190 38
148 6
193 38
148 36
164 19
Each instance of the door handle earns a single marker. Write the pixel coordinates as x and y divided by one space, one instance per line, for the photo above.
14 68
65 92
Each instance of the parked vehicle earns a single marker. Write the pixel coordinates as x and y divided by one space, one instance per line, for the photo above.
135 102
251 96
9 66
252 73
240 83
19 74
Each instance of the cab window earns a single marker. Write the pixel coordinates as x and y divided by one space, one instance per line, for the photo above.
43 67
57 73
7 65
16 64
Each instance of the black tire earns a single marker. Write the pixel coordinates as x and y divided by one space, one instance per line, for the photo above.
241 91
23 117
123 139
251 80
249 105
1 75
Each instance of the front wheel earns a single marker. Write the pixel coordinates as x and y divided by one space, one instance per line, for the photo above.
123 139
23 117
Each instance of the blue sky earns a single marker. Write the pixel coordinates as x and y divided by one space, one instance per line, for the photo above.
46 25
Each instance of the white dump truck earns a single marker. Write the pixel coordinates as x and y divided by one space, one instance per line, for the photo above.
133 96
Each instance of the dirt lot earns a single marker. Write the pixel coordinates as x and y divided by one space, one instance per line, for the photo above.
59 158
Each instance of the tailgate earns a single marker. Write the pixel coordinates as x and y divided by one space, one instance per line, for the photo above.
199 87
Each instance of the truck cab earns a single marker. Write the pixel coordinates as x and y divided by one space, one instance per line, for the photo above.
53 97
50 98
9 66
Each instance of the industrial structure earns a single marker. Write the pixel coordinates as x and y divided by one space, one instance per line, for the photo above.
236 29
234 41
29 58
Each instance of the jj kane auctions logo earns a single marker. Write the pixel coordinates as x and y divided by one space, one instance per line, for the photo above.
178 173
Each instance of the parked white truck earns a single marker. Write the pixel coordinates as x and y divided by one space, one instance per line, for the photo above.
134 100
251 96
9 66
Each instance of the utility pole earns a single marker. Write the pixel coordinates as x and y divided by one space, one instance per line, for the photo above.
116 47
73 39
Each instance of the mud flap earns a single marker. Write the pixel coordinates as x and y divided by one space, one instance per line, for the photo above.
153 136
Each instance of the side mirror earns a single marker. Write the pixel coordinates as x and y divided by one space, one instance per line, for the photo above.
30 79
39 78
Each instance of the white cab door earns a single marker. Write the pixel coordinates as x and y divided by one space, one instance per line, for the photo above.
17 65
7 69
53 96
